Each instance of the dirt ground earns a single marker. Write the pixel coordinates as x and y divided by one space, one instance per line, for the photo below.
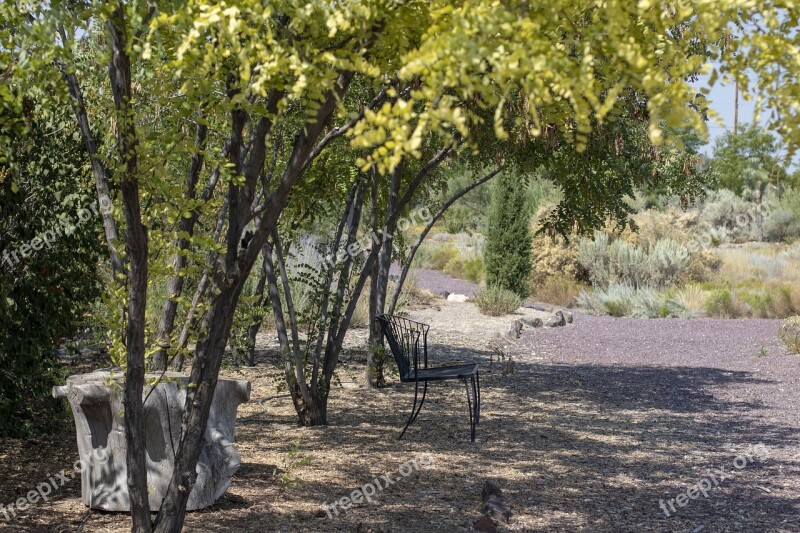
589 428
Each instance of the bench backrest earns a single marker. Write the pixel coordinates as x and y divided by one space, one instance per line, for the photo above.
404 337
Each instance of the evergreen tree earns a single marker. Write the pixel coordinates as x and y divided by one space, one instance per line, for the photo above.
507 252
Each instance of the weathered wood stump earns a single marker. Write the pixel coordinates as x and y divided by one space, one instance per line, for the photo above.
97 408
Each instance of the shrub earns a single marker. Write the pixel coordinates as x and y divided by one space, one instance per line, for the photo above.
760 303
688 302
497 301
623 300
43 293
726 211
781 224
702 266
553 256
559 289
670 223
469 269
622 263
441 255
721 303
666 262
507 253
789 334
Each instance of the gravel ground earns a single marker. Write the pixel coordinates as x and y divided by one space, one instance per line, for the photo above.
671 400
590 429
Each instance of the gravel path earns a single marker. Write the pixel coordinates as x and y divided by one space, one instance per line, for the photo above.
663 403
437 282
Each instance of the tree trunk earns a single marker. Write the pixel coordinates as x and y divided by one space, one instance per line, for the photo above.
375 354
258 318
98 170
203 379
137 251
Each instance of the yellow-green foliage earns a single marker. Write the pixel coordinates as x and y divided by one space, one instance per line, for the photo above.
553 257
441 256
470 269
722 303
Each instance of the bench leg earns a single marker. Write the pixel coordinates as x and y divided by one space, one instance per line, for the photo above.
424 392
478 400
469 406
414 409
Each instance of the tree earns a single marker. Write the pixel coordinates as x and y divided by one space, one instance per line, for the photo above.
254 73
507 252
747 160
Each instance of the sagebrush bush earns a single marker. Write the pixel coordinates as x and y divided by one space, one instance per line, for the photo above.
789 334
496 301
618 262
623 300
781 224
732 216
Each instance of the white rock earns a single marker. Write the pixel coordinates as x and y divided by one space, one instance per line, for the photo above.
460 298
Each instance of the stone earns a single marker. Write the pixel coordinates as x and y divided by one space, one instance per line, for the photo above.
460 298
532 322
495 505
484 524
556 320
567 315
539 307
515 330
96 401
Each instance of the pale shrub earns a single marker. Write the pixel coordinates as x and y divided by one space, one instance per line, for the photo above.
789 334
623 300
622 263
496 301
688 302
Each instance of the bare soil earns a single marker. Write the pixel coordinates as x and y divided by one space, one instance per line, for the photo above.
593 425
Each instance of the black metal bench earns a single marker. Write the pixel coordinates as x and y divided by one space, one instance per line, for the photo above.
404 336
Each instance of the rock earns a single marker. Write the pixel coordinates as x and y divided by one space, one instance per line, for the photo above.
96 401
539 307
485 525
460 298
515 330
532 322
495 506
566 314
556 320
490 489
